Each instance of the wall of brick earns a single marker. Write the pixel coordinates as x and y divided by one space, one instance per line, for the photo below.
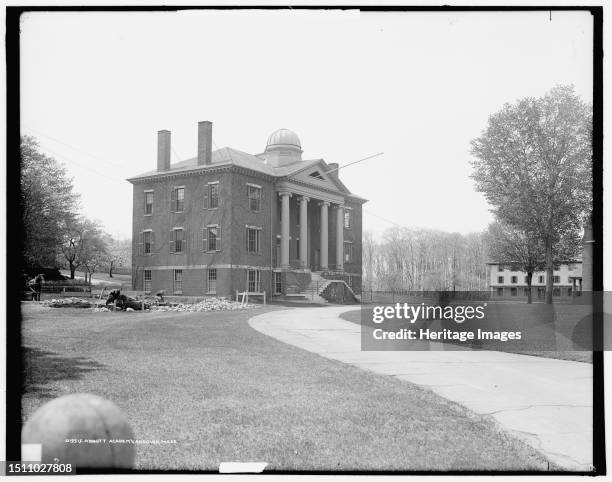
232 215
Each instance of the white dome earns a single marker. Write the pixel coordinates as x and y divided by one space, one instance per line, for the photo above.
283 139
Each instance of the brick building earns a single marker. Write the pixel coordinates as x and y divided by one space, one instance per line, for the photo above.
228 221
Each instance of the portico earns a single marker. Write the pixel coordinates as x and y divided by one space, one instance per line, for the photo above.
314 223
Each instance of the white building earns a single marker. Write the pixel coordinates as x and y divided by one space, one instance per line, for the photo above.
506 281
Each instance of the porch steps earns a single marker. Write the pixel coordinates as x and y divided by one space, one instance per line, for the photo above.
312 292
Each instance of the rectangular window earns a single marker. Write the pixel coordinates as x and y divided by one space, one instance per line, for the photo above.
254 194
253 280
347 219
514 280
557 291
348 252
500 267
569 292
178 281
177 243
178 199
278 286
526 291
541 278
213 195
253 235
525 280
212 233
500 279
557 279
513 292
500 292
148 202
147 280
147 242
212 280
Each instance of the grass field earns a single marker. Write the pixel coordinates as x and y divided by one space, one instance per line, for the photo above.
225 392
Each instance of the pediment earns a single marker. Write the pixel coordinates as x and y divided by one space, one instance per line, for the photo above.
317 175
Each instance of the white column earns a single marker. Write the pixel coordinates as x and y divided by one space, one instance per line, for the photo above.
285 229
340 237
324 241
304 232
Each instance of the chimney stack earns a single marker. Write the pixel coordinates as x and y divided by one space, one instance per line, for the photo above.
204 143
163 150
333 167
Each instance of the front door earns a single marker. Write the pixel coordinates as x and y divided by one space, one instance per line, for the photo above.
316 259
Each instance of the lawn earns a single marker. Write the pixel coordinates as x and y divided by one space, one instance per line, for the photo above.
226 392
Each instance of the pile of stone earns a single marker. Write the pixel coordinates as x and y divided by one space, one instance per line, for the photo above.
71 302
209 304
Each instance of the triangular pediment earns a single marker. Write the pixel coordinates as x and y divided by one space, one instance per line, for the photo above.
317 175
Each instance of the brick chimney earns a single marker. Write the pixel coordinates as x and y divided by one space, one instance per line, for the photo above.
163 150
333 167
204 143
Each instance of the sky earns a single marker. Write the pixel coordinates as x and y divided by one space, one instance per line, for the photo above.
417 86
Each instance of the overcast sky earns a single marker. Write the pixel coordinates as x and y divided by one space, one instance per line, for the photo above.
96 88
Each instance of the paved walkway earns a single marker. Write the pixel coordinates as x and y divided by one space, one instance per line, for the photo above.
547 403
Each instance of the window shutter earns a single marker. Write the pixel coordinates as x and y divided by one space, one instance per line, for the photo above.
140 242
218 239
172 199
172 241
247 239
152 242
185 238
205 199
204 240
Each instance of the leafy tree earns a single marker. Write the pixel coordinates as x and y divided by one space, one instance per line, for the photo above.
533 164
48 204
83 245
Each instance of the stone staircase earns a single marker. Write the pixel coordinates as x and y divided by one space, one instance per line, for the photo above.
311 293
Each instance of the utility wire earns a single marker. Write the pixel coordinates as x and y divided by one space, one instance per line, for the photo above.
74 148
355 162
383 219
65 159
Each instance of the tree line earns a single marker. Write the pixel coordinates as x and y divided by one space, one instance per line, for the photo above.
56 233
406 259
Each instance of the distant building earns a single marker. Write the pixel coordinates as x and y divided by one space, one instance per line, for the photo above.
507 282
228 221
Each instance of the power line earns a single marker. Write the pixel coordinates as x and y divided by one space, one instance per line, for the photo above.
354 162
383 219
73 147
63 158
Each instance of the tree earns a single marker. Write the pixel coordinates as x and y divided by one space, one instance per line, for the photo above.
83 245
48 202
119 254
519 249
533 164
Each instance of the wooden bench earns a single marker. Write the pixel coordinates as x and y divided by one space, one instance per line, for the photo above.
245 296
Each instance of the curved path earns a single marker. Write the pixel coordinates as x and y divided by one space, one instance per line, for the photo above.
545 402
